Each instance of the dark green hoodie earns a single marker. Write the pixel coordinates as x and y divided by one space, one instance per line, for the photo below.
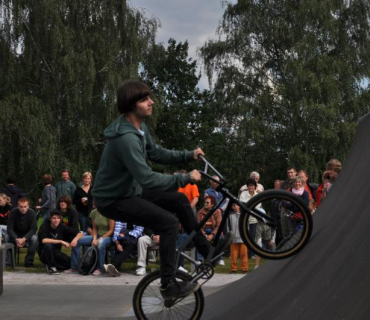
123 170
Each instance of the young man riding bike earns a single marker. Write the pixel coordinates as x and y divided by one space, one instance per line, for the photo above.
127 189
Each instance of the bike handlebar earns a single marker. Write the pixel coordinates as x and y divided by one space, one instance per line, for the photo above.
207 164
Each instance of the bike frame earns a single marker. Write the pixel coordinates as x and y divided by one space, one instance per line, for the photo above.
226 194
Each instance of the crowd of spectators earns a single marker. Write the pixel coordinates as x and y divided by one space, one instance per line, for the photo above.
70 220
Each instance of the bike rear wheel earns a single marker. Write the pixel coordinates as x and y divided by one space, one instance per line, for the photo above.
291 224
149 304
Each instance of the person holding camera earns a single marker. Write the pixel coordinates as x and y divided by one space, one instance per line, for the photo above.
333 167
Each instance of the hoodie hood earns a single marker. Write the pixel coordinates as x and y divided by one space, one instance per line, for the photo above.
119 127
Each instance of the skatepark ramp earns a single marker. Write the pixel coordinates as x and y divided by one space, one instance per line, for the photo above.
330 277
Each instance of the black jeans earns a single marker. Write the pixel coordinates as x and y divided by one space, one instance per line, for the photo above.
155 210
121 256
54 257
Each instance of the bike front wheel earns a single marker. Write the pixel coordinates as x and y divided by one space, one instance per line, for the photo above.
149 304
280 227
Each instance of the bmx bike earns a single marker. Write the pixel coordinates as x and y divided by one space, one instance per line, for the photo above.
148 302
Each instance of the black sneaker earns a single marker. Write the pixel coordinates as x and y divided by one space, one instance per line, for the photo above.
52 270
222 245
178 289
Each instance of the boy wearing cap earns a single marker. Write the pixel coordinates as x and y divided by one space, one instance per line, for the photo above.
52 236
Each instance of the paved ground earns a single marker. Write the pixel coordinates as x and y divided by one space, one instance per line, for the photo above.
41 296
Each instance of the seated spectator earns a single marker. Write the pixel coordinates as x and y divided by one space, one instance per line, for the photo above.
69 213
148 240
183 236
12 191
256 177
22 228
83 199
210 228
333 167
265 238
101 237
126 239
192 193
237 247
5 208
244 197
53 234
48 197
309 187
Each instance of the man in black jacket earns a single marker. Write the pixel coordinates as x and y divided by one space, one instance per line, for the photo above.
53 234
22 228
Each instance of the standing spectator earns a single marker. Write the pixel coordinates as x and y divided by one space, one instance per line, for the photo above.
125 237
265 238
65 187
192 193
309 187
216 195
53 234
244 197
148 240
291 172
333 167
12 191
101 237
256 177
5 207
69 214
237 247
22 227
48 197
291 218
83 199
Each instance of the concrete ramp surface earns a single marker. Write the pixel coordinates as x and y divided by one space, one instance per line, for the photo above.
330 277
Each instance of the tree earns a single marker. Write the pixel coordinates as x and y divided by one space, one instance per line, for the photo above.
293 77
61 62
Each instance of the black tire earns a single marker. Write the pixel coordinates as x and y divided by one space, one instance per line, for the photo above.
299 230
149 304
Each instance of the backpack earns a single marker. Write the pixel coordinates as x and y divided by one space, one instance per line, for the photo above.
89 261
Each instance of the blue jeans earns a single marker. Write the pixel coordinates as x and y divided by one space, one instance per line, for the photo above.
82 220
86 241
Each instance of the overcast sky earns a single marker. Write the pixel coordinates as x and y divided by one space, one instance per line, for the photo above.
192 20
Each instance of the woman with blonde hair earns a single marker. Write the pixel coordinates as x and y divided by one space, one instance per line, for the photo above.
82 199
5 207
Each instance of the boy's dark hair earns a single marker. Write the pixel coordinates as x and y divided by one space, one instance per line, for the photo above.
251 181
130 92
46 179
66 199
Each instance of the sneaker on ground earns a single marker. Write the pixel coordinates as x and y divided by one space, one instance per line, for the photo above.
221 262
97 272
178 289
152 260
255 267
71 271
52 271
183 269
141 271
111 270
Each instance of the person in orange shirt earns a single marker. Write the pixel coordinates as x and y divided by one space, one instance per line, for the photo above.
192 193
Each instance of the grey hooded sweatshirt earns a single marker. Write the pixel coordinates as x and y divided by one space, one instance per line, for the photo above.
123 170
